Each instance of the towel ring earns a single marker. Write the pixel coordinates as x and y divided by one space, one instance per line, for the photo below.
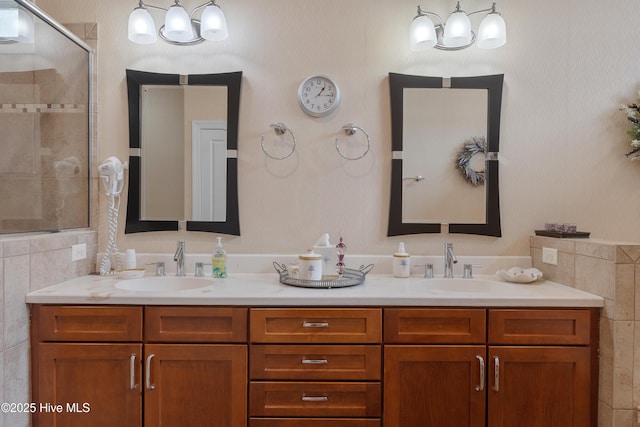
279 129
351 129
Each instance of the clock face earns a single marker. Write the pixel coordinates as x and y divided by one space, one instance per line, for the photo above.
318 96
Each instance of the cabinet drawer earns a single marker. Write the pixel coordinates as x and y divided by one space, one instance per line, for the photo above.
318 325
315 362
319 399
313 422
434 326
88 323
195 324
560 327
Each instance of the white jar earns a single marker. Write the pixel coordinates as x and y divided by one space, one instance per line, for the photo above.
401 262
401 265
310 266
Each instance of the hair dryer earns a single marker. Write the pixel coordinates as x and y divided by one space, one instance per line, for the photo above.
112 174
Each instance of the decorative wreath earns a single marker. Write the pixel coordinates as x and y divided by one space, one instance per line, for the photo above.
470 148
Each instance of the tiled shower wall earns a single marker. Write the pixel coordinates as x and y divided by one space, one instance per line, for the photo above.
29 263
611 270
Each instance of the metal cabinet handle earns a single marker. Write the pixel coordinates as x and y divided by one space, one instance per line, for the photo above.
314 361
132 372
148 372
315 324
496 374
480 386
306 398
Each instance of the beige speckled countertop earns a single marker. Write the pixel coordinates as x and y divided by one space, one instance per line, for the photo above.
377 290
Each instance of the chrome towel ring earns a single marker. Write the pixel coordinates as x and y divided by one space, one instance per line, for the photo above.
280 129
351 129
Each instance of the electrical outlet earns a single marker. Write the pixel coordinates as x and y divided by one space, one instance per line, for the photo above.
78 252
550 256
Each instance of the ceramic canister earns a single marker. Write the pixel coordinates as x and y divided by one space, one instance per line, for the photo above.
401 265
310 265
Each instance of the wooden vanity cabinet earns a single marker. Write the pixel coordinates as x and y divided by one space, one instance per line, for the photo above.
434 373
86 355
534 368
543 368
195 366
178 366
315 367
133 366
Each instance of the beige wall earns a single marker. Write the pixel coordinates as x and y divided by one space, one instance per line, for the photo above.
568 66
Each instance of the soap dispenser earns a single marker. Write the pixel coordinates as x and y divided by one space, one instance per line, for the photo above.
219 261
401 262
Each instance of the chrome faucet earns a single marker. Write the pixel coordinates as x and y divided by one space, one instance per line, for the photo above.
179 259
449 260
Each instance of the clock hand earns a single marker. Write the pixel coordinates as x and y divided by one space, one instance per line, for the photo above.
324 86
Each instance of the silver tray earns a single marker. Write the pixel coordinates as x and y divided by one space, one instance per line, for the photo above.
350 277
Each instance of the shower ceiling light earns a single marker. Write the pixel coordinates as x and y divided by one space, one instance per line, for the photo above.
180 27
456 33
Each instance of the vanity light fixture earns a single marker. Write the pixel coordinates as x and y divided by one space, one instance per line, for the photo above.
180 28
16 26
456 33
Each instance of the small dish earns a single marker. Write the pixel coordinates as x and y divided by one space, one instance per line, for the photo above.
130 273
520 275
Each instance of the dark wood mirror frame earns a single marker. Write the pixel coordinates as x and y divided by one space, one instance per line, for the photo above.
135 80
493 85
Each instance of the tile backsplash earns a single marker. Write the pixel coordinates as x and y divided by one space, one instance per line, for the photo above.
27 263
611 270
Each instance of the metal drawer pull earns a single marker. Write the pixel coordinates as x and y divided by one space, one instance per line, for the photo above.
306 398
480 386
132 373
148 373
315 324
314 361
496 374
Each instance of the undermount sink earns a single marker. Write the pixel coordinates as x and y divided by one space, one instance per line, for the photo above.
163 284
465 285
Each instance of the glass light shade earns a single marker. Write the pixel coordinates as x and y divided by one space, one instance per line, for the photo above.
142 29
457 30
9 26
213 25
422 34
25 27
177 25
492 32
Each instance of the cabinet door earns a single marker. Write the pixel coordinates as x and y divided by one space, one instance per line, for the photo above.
97 385
539 386
195 385
434 386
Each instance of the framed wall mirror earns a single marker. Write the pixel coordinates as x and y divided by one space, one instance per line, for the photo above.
445 143
183 161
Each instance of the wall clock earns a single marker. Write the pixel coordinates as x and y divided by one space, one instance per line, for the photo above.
318 96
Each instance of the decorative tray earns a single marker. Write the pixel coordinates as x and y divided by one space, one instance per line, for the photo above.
350 277
563 234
